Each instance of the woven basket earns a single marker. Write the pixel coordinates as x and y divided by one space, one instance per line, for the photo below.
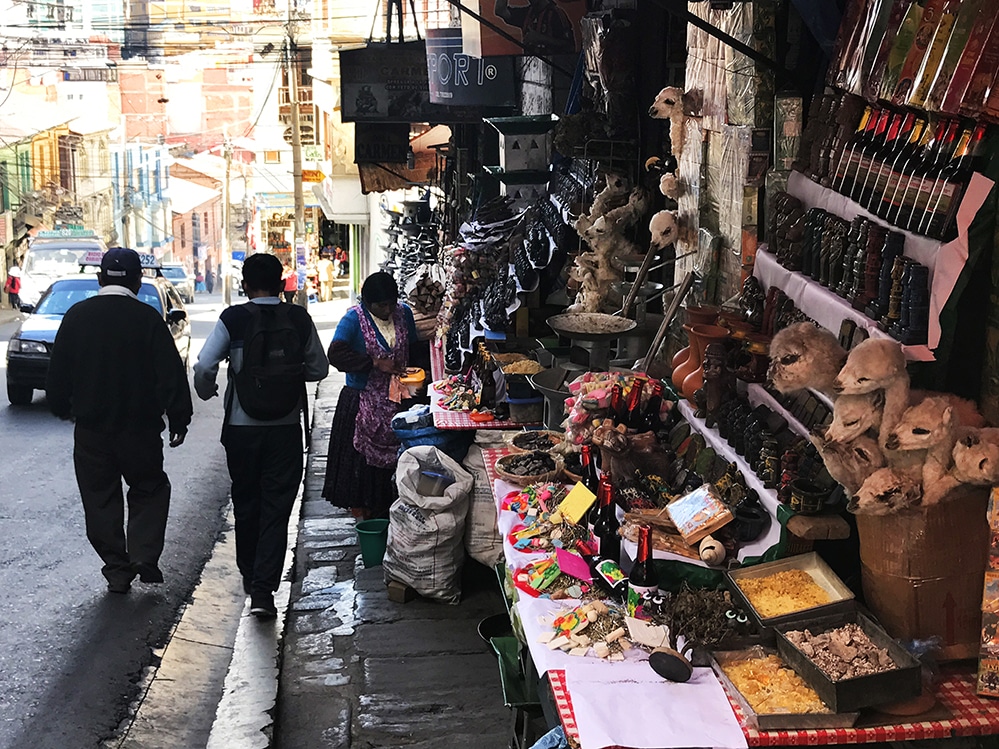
556 438
516 480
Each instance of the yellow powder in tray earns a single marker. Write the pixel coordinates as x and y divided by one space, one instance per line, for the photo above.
783 593
771 687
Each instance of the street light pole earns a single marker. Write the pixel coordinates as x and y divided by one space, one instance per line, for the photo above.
298 247
226 218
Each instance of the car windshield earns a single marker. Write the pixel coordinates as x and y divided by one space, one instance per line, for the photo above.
53 262
174 274
64 294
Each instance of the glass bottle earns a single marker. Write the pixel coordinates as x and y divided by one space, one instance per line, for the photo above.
846 160
867 154
954 178
643 578
887 159
616 404
917 193
605 529
606 573
901 167
634 417
650 417
879 154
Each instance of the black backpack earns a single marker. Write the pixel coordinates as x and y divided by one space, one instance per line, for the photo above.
271 382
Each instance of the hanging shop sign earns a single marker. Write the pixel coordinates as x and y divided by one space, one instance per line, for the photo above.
381 143
458 79
312 175
544 28
385 83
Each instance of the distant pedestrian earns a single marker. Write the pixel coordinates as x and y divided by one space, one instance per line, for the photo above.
343 260
262 428
115 371
290 278
325 269
210 281
13 287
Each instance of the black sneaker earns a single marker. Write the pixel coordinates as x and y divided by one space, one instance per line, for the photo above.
262 605
119 586
149 573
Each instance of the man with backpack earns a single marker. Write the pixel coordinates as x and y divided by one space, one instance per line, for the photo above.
273 350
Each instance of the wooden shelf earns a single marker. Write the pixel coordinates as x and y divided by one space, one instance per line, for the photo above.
944 260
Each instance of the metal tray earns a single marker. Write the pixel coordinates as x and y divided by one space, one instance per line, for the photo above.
841 597
774 721
900 684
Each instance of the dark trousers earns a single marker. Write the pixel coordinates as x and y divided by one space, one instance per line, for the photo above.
265 465
102 461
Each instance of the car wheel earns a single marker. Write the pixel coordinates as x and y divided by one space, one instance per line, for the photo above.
19 395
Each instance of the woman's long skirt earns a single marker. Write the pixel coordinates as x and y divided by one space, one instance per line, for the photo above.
350 482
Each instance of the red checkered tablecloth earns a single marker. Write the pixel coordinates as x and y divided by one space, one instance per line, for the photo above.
970 715
436 361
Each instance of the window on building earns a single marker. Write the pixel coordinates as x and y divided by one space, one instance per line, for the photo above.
183 235
195 230
272 157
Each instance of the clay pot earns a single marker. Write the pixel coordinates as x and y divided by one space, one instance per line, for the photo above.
705 315
700 336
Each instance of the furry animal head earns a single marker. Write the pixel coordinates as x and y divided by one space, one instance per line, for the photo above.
664 228
928 423
885 492
976 457
596 231
855 414
849 463
804 355
669 186
668 103
872 364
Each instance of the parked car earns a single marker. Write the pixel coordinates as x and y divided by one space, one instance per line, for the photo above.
183 281
30 347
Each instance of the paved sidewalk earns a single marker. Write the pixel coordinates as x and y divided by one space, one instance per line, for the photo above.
362 671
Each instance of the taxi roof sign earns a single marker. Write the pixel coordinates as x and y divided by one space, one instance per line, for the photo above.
94 257
66 234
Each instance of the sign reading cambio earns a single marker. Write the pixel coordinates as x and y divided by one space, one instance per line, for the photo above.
456 79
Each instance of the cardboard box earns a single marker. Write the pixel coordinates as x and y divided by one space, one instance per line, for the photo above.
525 142
923 570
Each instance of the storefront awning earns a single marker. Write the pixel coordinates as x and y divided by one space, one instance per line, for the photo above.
342 200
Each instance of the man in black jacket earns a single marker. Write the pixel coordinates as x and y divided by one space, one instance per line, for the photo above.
115 371
263 453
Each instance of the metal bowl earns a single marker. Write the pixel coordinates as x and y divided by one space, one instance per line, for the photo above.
590 326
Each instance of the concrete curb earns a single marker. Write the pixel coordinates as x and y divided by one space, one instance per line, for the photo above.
245 715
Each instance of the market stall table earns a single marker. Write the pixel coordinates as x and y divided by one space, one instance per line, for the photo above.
959 712
444 419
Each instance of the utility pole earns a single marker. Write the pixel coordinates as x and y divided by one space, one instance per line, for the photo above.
226 218
298 245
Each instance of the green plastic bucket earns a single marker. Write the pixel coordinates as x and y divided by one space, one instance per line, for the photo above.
372 535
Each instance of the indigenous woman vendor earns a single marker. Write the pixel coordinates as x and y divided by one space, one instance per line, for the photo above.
373 344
